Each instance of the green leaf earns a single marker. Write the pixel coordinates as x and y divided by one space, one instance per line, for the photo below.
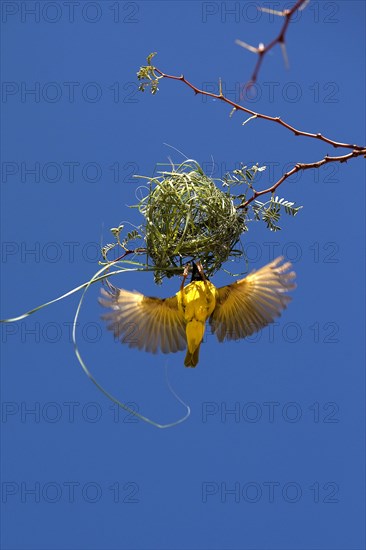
288 206
150 56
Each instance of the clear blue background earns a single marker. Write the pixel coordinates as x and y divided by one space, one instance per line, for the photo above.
137 487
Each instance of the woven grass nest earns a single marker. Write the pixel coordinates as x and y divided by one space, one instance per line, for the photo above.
189 217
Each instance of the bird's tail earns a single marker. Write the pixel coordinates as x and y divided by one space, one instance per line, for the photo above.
194 331
191 359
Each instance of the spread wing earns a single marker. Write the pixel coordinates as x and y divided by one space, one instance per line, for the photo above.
143 322
250 304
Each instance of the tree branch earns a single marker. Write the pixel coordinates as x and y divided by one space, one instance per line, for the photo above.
262 50
301 166
254 114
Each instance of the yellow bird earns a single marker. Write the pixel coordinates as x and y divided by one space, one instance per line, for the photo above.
172 324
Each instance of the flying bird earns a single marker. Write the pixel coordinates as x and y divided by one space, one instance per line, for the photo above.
171 324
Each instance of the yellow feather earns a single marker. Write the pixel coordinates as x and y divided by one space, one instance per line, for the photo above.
172 324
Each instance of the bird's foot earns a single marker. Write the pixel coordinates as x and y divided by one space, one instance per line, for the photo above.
185 275
200 270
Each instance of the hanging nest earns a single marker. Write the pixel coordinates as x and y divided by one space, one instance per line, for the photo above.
189 217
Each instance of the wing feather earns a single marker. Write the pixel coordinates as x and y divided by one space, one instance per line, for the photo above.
144 322
250 304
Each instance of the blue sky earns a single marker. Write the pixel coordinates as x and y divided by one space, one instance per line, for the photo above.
285 470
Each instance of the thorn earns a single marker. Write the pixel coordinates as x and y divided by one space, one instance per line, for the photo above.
220 87
303 6
284 53
273 12
246 46
248 119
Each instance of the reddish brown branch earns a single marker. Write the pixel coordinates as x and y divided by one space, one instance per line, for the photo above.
262 50
277 119
301 166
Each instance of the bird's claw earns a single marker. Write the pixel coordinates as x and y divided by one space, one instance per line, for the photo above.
185 275
201 272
